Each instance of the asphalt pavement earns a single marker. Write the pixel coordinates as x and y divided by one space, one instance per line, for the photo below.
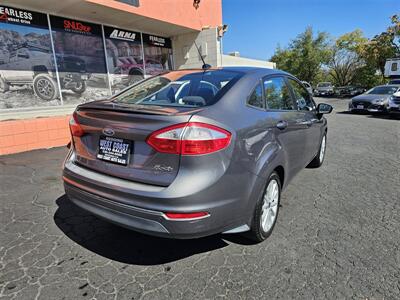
337 236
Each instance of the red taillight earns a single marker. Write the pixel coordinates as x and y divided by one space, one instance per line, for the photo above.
187 216
76 129
191 138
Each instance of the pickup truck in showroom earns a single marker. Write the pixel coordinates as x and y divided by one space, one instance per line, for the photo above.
33 66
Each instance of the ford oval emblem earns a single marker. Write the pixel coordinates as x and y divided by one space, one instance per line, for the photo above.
108 131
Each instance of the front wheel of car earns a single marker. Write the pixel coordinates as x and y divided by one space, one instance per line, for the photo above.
266 210
45 87
319 158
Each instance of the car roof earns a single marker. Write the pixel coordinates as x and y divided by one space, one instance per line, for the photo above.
242 69
388 85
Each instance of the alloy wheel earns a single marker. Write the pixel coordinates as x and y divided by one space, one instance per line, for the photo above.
45 88
322 150
270 206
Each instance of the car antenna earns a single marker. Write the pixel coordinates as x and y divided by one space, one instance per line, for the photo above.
204 66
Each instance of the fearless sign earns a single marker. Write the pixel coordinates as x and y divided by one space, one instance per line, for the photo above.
23 17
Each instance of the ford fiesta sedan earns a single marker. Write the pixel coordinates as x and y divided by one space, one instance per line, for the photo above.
193 153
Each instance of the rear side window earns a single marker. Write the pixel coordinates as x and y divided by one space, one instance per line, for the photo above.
277 94
256 97
394 66
302 96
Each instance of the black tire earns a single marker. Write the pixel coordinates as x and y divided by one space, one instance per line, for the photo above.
257 233
80 87
4 86
45 87
318 160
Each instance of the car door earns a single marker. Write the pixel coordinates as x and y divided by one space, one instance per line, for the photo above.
307 109
288 122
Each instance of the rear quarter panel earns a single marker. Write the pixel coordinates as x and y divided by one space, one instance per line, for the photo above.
253 148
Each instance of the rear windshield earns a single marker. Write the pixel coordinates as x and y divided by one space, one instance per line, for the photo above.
383 90
180 88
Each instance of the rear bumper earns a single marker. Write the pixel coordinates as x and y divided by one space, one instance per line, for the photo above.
120 214
142 207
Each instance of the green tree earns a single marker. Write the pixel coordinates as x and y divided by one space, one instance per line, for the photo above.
346 60
383 46
305 55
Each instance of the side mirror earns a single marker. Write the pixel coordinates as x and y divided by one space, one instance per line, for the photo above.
324 108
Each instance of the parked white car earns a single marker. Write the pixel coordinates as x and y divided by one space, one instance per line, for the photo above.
308 87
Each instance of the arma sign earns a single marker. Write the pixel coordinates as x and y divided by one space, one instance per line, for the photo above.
23 17
119 34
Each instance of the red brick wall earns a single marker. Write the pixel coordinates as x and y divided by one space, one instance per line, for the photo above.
24 135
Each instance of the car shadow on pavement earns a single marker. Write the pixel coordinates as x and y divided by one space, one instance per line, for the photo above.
347 112
127 246
383 116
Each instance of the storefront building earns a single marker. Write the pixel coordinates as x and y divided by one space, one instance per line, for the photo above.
55 55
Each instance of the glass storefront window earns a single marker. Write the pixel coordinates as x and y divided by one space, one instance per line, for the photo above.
157 53
124 57
74 62
27 73
80 59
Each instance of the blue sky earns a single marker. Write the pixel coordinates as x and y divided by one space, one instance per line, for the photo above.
256 27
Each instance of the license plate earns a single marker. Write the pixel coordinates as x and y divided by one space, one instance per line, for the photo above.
360 106
114 150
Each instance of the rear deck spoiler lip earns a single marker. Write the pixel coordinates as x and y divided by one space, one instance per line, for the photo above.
163 111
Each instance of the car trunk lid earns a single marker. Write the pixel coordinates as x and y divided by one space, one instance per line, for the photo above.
131 124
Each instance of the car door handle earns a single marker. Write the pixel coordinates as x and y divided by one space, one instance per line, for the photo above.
282 125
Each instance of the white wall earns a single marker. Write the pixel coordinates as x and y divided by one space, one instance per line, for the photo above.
185 53
230 61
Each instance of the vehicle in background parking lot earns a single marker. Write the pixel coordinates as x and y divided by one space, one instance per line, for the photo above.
394 81
348 91
375 100
191 153
324 89
308 87
394 104
392 68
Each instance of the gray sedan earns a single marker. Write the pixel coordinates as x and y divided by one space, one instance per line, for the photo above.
208 155
375 100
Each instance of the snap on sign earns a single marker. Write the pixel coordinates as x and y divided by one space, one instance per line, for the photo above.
76 26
